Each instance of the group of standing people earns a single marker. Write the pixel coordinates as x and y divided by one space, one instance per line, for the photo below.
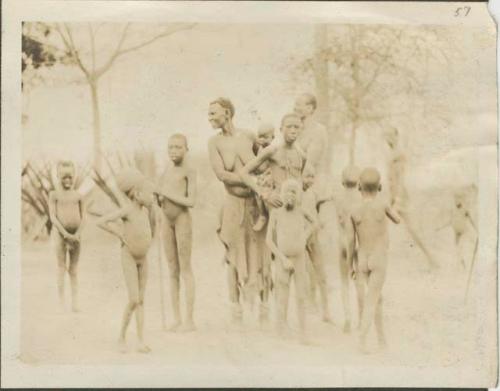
262 179
271 214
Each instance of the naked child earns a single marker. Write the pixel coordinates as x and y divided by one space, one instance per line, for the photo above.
68 217
177 193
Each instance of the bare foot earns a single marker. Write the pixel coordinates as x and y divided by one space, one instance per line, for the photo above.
327 319
260 223
187 327
75 308
142 348
173 328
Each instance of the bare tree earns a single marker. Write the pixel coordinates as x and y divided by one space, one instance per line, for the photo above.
90 67
370 69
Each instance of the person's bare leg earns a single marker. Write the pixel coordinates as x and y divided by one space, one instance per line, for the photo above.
132 282
262 217
74 255
300 278
320 273
344 285
61 266
171 253
360 283
234 295
183 234
282 296
142 274
267 281
375 283
311 283
379 323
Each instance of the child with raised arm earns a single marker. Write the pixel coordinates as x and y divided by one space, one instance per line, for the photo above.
177 193
135 236
344 205
370 228
67 214
265 136
288 232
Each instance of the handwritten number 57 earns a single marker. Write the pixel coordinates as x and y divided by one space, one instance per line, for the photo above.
462 11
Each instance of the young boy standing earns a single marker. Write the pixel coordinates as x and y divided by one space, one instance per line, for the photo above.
370 229
68 217
287 235
177 193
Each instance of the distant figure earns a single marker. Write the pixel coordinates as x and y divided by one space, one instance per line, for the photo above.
67 214
287 235
346 203
398 191
229 150
177 193
370 229
461 216
311 203
136 235
265 136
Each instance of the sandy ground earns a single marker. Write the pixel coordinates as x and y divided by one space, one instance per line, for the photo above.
426 321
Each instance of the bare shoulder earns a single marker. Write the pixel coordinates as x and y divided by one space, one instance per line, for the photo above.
213 140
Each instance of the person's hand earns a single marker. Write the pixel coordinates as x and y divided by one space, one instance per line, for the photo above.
287 264
273 199
74 238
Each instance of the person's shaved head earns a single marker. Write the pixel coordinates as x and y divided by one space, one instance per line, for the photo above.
226 104
350 176
369 180
65 166
181 137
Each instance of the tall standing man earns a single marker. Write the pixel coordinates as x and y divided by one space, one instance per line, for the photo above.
313 140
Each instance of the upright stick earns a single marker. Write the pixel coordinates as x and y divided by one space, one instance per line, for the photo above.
470 270
160 272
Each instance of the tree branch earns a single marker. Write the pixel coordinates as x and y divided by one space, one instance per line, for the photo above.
70 46
92 45
119 51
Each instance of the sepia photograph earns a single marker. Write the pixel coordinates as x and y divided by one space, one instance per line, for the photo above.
265 199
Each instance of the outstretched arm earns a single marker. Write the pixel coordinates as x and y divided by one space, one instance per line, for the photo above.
229 178
188 200
53 216
105 222
83 222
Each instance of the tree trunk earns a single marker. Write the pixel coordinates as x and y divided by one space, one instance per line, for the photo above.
96 123
321 83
